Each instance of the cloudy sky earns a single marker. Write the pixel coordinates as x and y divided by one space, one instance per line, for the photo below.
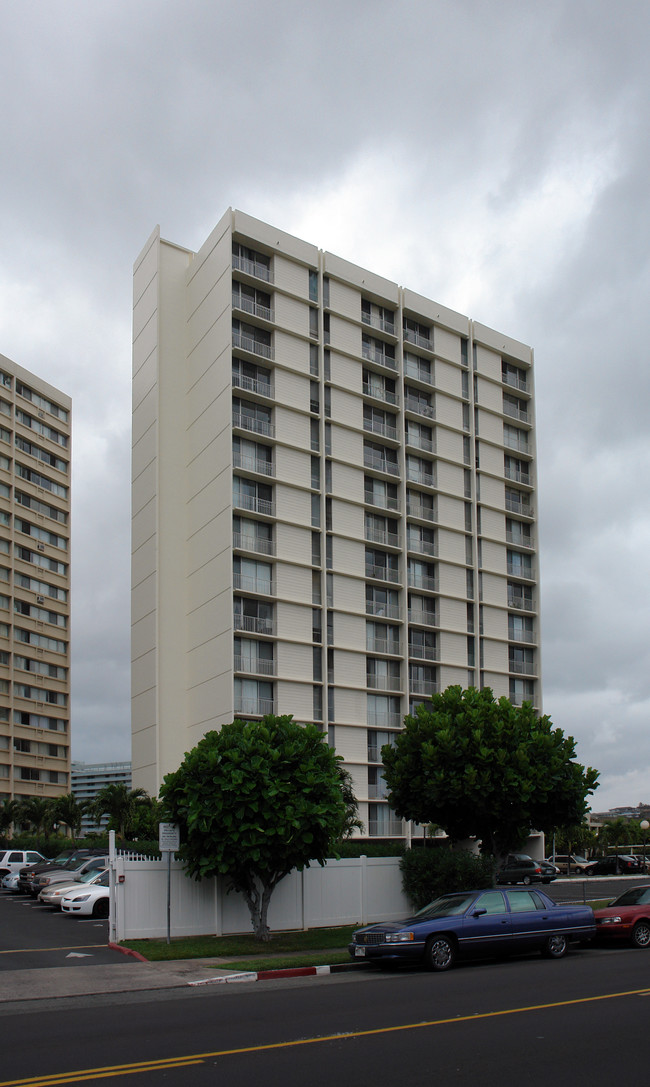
493 156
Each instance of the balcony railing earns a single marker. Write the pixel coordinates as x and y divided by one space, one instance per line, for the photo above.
252 268
521 668
418 442
253 385
418 408
425 513
523 509
520 571
251 584
376 355
254 707
423 618
382 573
424 652
383 683
516 635
423 479
254 624
414 370
520 541
520 445
386 395
252 422
248 343
254 505
515 413
418 339
375 321
253 464
381 536
249 305
382 721
259 544
374 426
383 611
521 603
517 476
519 699
381 501
515 382
380 464
377 791
423 581
383 645
423 547
385 828
257 665
424 686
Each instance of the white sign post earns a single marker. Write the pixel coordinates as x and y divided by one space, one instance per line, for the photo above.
169 841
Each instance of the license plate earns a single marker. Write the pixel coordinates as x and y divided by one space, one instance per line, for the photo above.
359 952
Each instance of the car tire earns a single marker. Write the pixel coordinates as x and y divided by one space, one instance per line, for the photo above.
526 881
440 953
641 934
100 909
555 947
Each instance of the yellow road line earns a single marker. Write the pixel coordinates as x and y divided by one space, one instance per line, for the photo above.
27 950
161 1064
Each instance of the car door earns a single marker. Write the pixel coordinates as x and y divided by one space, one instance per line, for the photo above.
487 927
530 919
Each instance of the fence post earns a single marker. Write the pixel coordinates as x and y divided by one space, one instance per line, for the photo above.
364 888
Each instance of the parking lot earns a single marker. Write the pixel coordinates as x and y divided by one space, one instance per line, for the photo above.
35 937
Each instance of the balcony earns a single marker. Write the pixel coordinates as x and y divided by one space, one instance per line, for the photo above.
248 343
248 583
517 476
521 603
521 668
385 828
416 441
425 513
254 505
516 635
520 541
516 413
377 393
377 790
249 305
422 479
383 683
520 445
423 581
252 268
382 721
373 353
254 707
521 509
253 464
381 323
423 547
515 382
253 385
380 464
418 339
383 645
260 545
382 573
519 699
255 665
422 618
381 501
381 536
383 611
413 369
254 624
424 652
418 408
424 686
375 426
525 572
253 423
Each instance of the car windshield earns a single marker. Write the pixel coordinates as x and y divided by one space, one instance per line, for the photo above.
634 897
88 876
447 906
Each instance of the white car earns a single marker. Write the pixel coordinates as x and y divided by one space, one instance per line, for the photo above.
53 895
12 860
92 901
10 881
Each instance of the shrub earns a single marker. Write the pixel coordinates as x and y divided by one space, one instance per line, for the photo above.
427 873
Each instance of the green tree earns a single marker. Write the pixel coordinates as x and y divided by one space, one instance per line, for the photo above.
9 813
121 805
481 767
68 809
254 801
37 814
352 821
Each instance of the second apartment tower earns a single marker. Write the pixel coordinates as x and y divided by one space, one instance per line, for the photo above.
333 501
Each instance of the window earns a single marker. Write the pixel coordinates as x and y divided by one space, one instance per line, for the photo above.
315 510
422 539
423 644
252 656
416 333
420 470
252 456
380 458
252 535
249 261
313 359
379 387
516 469
41 507
420 436
381 637
253 697
250 494
40 480
314 396
514 376
40 401
248 415
519 565
421 505
252 576
381 602
381 530
422 610
382 565
378 316
252 300
520 596
377 788
40 427
420 402
422 575
418 368
520 628
515 438
383 674
36 451
380 422
423 679
521 660
378 351
313 322
251 377
251 338
521 690
383 711
313 286
377 492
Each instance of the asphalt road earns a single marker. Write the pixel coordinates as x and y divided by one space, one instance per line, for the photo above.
579 1020
33 937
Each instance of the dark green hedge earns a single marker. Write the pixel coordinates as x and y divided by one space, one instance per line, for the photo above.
427 873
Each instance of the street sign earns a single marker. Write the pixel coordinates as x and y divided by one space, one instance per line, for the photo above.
169 837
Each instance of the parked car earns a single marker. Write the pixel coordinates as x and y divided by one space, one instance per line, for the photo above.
69 858
571 863
53 895
627 917
92 902
621 865
12 860
52 876
549 871
476 923
9 882
520 868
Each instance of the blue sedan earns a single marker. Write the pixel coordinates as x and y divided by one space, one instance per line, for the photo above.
473 924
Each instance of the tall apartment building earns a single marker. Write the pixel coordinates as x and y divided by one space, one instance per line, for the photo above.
333 501
34 586
88 779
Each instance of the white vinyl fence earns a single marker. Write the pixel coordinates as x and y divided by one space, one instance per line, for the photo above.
344 892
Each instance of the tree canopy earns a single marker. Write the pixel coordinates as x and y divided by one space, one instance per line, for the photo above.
254 801
480 767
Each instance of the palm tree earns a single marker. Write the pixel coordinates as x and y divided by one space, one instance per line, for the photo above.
9 811
37 813
120 804
70 811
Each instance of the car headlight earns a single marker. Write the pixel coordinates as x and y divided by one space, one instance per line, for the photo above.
611 920
80 898
399 937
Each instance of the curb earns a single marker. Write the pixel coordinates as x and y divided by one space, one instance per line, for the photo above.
289 972
127 951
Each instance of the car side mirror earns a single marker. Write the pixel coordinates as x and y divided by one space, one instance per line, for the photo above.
479 912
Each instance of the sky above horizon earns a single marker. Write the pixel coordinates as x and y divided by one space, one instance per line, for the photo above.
493 157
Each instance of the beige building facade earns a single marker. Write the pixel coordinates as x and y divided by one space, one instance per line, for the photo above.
35 450
333 501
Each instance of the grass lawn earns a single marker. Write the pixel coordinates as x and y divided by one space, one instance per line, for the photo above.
209 947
